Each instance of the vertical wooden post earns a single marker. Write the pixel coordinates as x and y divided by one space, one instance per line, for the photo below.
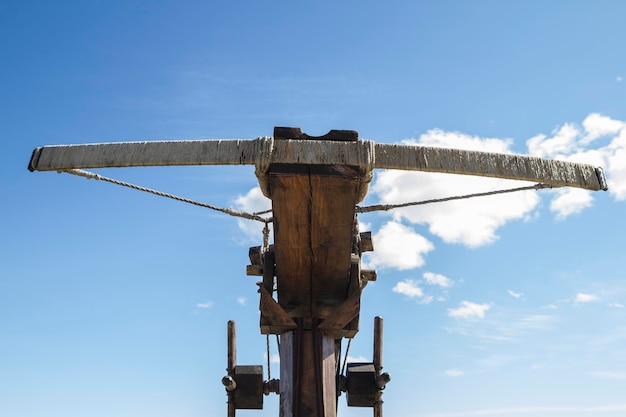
286 374
232 363
307 374
329 376
378 360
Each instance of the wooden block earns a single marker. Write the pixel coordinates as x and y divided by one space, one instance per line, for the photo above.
254 270
366 242
249 392
362 387
368 275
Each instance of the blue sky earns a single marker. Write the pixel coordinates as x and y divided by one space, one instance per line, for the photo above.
115 303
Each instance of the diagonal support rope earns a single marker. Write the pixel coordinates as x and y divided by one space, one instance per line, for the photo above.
386 207
229 211
266 220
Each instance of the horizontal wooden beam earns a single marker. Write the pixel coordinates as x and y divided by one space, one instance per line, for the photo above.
364 154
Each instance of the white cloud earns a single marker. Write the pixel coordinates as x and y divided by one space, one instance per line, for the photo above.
562 142
472 222
616 168
454 373
253 201
616 305
207 304
355 359
597 126
242 300
515 294
441 139
619 78
437 279
600 141
585 298
397 246
570 201
409 288
468 309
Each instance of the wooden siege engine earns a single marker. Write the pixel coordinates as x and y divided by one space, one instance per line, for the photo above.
312 279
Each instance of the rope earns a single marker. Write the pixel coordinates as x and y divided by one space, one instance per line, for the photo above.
266 238
345 360
386 207
267 344
229 211
256 216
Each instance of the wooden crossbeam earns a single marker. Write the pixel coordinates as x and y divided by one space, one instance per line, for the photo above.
317 152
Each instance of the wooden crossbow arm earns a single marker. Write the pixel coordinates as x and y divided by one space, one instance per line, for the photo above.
364 154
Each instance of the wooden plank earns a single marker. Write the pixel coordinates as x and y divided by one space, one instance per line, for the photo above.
232 363
153 153
292 236
274 320
286 384
308 389
342 315
329 376
313 229
332 225
487 164
316 152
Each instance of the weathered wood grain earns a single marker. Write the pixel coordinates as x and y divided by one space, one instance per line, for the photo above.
313 230
286 386
361 154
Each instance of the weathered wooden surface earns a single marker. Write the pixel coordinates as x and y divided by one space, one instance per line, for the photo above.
287 370
329 376
313 209
363 154
313 229
274 320
232 364
307 374
378 361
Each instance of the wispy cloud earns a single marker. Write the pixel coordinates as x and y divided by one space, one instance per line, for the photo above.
354 359
585 298
207 304
532 410
437 279
468 309
620 375
454 373
242 300
409 288
503 326
515 294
